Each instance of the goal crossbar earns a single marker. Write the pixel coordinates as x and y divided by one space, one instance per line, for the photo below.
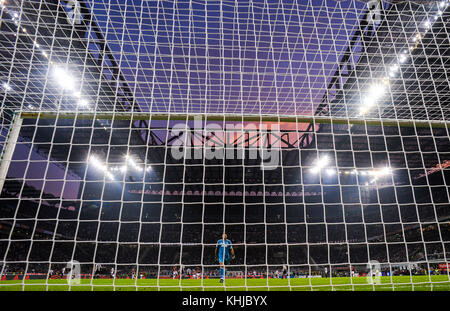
139 116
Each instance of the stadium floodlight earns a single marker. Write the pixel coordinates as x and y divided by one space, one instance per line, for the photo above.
133 163
376 91
322 161
83 103
364 110
109 175
393 70
320 164
97 163
63 78
402 58
385 171
331 171
6 86
93 159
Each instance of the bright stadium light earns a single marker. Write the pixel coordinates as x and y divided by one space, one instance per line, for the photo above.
6 86
385 171
97 163
93 159
403 58
83 103
110 175
63 78
393 70
330 171
319 164
363 110
417 37
133 163
376 91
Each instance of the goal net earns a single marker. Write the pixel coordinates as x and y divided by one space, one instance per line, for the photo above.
135 134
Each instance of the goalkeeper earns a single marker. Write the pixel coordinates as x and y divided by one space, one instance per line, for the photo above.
222 253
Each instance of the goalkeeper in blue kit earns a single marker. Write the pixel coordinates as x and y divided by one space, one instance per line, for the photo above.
222 253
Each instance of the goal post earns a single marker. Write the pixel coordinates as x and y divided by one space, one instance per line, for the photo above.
8 147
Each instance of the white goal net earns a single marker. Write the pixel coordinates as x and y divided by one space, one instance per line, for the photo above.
314 134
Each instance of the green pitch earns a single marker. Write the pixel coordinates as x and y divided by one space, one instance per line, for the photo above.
398 283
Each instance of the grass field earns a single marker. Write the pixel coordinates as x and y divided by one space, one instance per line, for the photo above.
397 283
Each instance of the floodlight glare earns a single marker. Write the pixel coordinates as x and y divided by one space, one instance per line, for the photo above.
94 160
6 86
376 91
83 103
393 70
322 161
385 171
402 58
63 78
315 170
363 110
